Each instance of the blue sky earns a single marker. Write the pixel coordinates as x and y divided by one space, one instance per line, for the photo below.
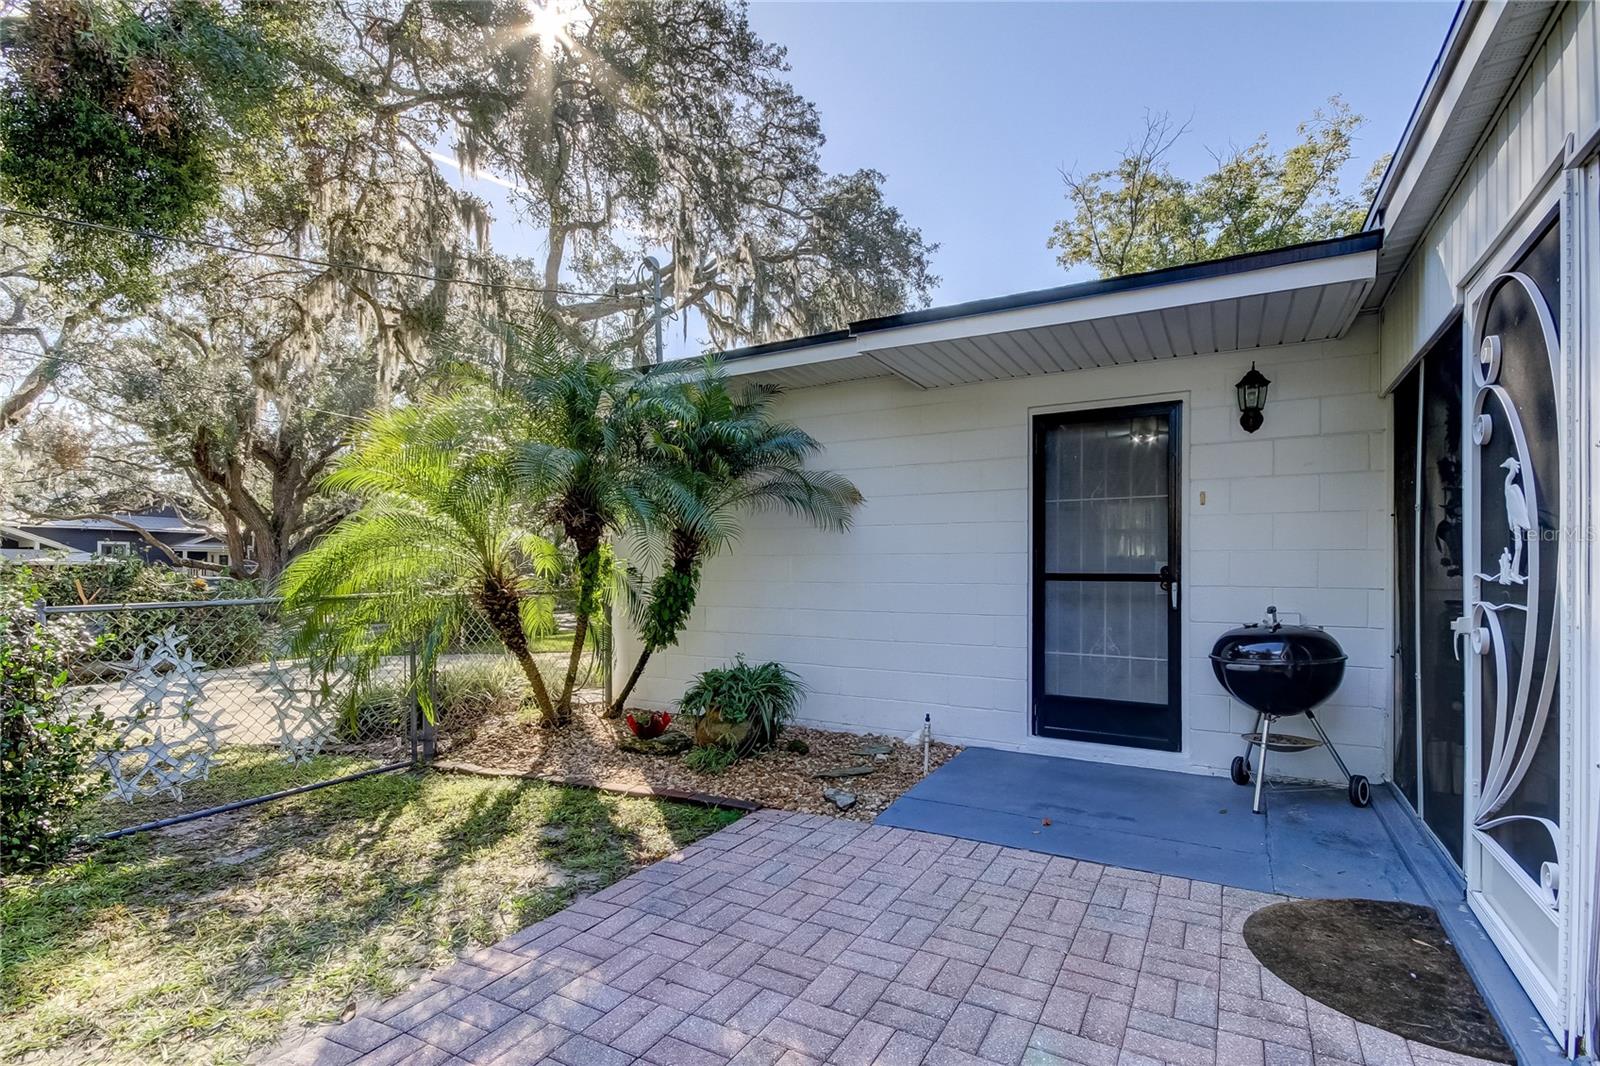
970 108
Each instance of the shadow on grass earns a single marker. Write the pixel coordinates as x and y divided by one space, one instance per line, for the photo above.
203 941
237 773
162 871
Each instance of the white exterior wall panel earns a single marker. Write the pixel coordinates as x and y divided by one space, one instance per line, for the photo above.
924 605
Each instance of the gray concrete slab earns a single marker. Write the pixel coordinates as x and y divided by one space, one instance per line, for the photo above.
1309 843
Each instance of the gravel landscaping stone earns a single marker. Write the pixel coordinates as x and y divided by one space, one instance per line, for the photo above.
591 749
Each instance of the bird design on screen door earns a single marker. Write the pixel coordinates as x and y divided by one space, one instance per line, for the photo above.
1519 523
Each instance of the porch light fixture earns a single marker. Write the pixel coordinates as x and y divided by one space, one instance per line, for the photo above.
1252 392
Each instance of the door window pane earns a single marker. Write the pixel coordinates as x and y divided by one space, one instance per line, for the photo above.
1106 640
1106 490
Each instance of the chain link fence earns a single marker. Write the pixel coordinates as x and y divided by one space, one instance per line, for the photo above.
205 698
194 691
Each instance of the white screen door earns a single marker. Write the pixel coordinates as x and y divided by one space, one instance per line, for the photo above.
1517 843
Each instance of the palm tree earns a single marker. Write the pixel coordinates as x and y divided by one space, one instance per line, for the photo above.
586 470
441 531
721 454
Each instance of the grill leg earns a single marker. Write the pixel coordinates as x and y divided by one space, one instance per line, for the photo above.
1343 769
1251 743
1261 770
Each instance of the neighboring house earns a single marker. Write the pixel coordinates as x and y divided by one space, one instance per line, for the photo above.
1064 510
82 539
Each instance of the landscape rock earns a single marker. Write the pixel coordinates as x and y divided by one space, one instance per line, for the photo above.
671 742
845 771
839 798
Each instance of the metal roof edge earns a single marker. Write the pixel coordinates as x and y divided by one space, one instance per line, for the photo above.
1444 65
772 347
1175 275
1351 244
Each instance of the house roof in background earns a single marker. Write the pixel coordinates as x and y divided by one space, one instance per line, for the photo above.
166 521
18 533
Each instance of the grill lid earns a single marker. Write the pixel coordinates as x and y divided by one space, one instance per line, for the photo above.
1271 641
1278 669
1305 645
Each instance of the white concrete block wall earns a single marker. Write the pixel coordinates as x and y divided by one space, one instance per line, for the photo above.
924 605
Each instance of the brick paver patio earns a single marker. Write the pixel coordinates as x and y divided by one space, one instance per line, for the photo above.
796 939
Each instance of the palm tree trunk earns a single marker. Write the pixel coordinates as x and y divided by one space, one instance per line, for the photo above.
680 583
580 633
500 607
588 579
548 718
615 710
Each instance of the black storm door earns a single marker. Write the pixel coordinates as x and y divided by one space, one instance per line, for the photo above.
1105 577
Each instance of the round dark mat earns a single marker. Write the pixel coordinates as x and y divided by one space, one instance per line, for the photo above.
1386 964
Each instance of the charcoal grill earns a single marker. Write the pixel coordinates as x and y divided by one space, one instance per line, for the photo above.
1280 670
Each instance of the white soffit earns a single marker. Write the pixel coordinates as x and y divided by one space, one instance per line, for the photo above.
1484 53
1307 293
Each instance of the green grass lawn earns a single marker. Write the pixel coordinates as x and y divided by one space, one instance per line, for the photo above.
209 940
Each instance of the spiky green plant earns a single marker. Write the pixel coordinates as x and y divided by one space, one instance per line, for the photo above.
766 695
442 531
721 454
587 471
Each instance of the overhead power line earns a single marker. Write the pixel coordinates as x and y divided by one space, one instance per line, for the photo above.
302 260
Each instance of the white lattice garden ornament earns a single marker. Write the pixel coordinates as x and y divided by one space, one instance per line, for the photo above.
302 704
163 742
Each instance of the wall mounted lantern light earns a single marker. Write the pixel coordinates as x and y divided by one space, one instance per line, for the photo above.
1252 392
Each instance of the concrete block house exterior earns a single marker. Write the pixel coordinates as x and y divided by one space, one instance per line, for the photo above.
1064 511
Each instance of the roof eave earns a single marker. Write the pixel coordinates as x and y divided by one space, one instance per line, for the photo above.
845 339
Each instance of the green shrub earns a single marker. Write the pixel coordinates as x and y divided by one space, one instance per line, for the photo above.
480 684
711 759
766 695
372 711
466 692
47 748
219 636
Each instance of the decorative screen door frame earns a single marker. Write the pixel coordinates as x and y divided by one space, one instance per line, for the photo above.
1580 317
1515 910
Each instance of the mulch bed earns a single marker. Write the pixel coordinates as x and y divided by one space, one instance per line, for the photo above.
587 752
1387 964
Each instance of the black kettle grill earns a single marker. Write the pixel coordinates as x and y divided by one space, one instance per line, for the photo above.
1280 670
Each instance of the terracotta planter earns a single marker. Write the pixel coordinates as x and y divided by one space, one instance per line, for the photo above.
711 730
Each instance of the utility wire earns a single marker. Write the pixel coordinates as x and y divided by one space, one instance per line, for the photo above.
79 361
307 261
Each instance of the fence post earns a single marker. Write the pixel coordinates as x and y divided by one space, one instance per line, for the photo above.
414 718
429 729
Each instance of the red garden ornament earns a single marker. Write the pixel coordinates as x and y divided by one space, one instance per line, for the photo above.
653 725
